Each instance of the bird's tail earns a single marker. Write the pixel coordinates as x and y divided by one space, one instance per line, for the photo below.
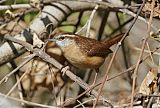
113 40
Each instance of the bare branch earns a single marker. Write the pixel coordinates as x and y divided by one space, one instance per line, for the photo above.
39 25
40 53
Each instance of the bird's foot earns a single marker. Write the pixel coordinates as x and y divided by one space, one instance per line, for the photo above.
64 69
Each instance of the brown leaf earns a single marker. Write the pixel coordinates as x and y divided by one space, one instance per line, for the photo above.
148 7
149 83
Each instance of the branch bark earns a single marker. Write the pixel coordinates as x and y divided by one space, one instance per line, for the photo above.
40 53
52 14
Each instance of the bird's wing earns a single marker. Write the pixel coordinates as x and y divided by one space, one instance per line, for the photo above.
99 50
92 47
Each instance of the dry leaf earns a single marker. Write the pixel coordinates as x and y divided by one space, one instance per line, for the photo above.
155 36
36 3
9 14
36 41
148 7
149 83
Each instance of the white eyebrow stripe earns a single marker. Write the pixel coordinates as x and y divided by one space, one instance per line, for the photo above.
68 35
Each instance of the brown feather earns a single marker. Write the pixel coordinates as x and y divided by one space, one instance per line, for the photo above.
92 47
109 42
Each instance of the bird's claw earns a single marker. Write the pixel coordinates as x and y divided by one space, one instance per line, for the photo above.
64 69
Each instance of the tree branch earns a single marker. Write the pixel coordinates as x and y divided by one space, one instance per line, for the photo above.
52 14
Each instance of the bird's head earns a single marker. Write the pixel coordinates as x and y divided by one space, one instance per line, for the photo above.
63 40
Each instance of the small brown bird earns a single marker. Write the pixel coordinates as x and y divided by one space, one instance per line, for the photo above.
83 52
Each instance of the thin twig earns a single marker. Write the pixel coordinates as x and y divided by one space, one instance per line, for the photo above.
149 52
123 10
54 93
20 90
18 81
16 6
88 23
22 64
141 54
102 25
81 104
122 25
69 100
125 57
90 20
78 22
40 53
2 1
133 66
121 73
84 103
115 52
28 102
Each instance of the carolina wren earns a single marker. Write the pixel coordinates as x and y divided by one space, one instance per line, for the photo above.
83 52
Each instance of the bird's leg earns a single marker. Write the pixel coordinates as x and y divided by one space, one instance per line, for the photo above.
95 77
66 66
94 81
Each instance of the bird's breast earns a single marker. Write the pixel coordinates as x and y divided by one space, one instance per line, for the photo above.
79 59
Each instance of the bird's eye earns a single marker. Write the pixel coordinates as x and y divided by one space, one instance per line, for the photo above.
61 38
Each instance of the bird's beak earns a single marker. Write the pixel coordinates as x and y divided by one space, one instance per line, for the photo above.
53 40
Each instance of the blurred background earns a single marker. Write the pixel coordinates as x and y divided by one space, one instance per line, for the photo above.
45 84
